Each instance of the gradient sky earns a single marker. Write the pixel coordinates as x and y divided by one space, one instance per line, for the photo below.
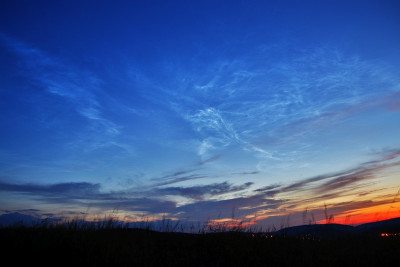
272 110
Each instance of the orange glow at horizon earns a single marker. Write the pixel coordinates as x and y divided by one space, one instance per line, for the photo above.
367 215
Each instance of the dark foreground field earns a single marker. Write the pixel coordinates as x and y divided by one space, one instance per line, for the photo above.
134 247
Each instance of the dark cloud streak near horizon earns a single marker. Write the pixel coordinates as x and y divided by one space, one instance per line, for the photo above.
199 192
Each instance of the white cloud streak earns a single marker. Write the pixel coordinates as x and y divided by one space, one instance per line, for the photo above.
76 86
245 100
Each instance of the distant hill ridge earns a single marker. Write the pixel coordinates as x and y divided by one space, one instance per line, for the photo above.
390 226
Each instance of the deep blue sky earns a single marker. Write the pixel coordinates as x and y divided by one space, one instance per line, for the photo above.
192 108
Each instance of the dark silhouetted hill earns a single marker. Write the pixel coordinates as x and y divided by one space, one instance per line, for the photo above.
376 228
317 231
332 231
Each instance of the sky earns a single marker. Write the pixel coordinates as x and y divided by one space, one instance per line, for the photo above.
271 112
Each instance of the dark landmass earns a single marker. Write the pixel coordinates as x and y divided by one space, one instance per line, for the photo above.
376 228
332 231
308 245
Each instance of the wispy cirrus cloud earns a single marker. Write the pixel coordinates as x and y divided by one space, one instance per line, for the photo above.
77 86
181 179
216 129
246 173
264 99
208 160
185 174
